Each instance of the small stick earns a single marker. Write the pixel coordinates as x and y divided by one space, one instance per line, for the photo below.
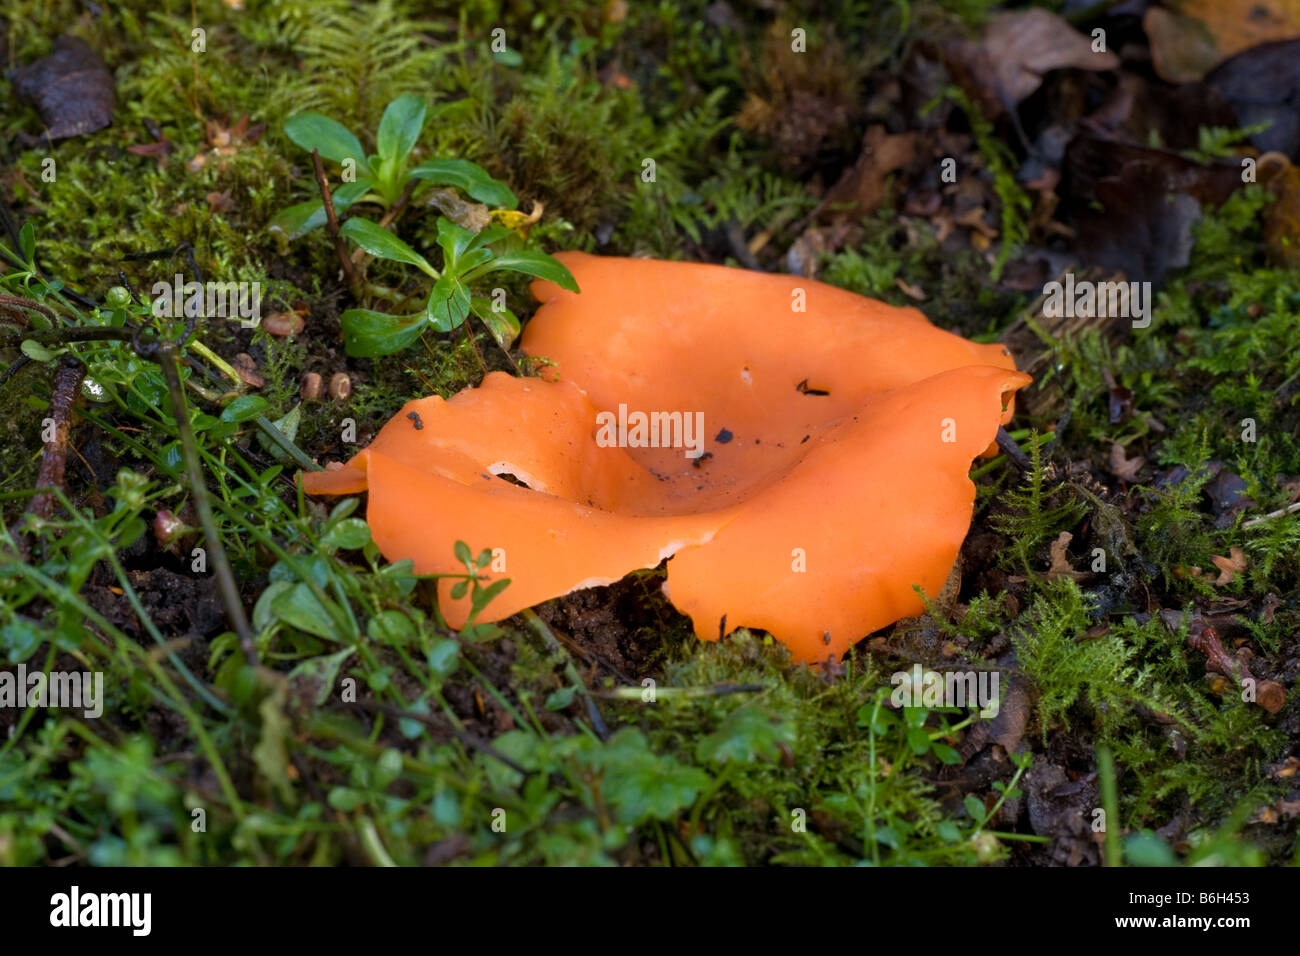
1205 638
592 657
548 637
717 690
18 302
64 334
349 269
1013 451
398 206
469 337
166 356
504 351
54 457
1289 509
19 364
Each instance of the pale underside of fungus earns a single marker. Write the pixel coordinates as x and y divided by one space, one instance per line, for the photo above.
811 474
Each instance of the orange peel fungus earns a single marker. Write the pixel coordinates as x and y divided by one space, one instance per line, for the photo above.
800 453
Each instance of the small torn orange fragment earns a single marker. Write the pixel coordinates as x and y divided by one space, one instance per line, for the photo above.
813 472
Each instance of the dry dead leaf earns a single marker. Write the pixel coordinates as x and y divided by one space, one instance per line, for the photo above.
1230 566
1189 37
1284 769
1281 228
223 138
221 202
862 189
973 218
1061 567
911 291
1019 47
1122 466
72 88
473 216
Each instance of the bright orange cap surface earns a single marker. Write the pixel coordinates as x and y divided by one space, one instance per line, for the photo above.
836 435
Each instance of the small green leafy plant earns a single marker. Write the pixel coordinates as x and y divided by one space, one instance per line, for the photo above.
380 178
466 255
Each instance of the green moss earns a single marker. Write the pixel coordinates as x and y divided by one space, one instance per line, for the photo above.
741 757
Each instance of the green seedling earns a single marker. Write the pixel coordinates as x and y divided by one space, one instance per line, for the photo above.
382 177
466 258
466 255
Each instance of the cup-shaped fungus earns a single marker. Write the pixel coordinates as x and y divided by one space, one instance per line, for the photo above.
798 452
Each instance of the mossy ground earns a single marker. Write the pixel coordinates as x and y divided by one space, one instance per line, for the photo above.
741 757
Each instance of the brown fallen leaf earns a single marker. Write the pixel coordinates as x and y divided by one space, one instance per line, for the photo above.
1230 566
1188 37
223 138
1119 397
911 291
473 216
221 202
1284 769
72 88
1262 85
246 368
863 188
973 218
1061 567
1008 726
1281 226
1017 49
159 150
1134 206
1122 466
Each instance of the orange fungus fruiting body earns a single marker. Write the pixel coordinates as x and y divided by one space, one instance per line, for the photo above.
800 453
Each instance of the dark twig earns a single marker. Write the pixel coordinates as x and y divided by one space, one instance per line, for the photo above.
592 657
10 226
168 253
19 363
54 456
398 206
469 337
1205 638
18 302
541 629
1015 454
349 270
167 358
80 333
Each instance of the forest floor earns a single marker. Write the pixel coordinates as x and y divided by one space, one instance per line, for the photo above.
1136 581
